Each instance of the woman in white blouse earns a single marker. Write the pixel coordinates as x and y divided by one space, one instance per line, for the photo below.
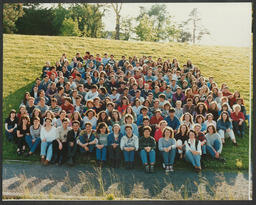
193 150
48 134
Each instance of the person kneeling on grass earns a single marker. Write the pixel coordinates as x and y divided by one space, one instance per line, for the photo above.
114 146
33 140
102 143
224 127
147 145
48 134
167 145
129 144
72 137
213 142
60 143
193 150
87 141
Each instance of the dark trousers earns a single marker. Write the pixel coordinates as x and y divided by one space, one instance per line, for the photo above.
60 154
238 129
72 150
21 142
114 154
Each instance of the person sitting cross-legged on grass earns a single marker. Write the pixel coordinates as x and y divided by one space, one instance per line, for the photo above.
102 143
193 150
87 141
114 146
22 132
224 127
48 134
167 145
33 140
11 123
147 146
238 119
72 137
213 143
129 144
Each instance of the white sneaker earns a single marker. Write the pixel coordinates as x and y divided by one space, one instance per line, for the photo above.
167 169
163 165
171 168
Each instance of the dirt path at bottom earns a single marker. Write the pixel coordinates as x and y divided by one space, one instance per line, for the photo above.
81 181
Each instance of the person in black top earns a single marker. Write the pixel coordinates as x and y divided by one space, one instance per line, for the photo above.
146 122
30 107
181 136
72 137
10 125
22 131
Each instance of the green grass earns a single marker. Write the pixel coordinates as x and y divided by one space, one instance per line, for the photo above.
24 57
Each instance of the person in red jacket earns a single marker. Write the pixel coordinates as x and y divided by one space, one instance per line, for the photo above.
155 119
238 119
68 107
159 131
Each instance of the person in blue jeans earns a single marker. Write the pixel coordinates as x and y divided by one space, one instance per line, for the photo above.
33 140
87 141
11 123
147 146
201 137
102 143
213 143
193 150
167 146
129 144
48 133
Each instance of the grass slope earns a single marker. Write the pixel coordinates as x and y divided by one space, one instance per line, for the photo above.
24 57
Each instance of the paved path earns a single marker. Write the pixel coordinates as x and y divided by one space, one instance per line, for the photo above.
85 180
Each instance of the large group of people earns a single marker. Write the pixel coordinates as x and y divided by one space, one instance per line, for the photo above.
125 109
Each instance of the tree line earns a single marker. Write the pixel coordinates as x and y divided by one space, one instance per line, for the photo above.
82 19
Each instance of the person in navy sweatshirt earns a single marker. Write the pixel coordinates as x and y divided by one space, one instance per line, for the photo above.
172 120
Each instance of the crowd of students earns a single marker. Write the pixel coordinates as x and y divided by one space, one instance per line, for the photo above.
152 110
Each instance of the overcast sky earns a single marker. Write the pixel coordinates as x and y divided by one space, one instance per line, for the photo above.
228 23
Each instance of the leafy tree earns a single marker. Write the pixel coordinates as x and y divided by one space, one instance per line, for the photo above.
37 21
117 9
70 28
11 13
89 18
60 13
126 28
198 30
144 30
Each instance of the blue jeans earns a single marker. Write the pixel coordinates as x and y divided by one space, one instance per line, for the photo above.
46 150
144 157
32 145
194 159
10 136
216 146
82 150
129 156
204 149
101 154
169 157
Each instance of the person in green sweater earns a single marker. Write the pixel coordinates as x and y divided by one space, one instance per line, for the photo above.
147 146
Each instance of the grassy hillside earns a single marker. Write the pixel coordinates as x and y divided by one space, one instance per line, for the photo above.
24 57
